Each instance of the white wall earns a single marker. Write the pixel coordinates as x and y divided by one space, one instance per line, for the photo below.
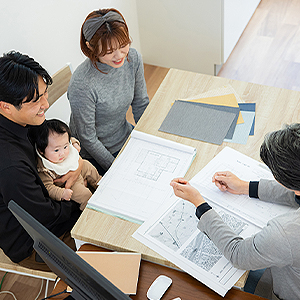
185 35
192 35
49 30
234 22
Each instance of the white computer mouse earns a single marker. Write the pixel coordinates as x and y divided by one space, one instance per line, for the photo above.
158 287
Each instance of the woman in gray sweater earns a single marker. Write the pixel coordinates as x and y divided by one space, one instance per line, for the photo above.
277 246
104 86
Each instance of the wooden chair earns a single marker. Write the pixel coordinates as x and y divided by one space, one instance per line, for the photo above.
57 91
60 84
7 265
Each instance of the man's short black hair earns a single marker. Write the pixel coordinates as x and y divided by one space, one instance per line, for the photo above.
39 135
19 78
280 151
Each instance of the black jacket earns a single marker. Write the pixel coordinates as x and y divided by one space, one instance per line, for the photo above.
19 180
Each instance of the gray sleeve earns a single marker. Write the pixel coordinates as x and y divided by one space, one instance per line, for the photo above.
272 191
141 99
267 248
83 108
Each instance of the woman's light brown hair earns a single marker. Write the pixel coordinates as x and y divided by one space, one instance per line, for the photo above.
108 34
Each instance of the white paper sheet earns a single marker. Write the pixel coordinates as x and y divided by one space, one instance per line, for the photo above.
246 168
138 181
173 232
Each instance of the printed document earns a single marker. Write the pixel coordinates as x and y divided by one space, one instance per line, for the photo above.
173 232
137 183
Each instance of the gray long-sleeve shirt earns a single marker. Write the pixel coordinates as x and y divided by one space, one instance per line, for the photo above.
276 247
99 102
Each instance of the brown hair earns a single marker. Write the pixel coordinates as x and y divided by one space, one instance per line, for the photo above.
106 33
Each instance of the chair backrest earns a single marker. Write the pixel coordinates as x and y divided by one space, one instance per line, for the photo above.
60 83
8 266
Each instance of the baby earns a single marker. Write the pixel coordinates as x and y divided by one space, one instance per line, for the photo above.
56 157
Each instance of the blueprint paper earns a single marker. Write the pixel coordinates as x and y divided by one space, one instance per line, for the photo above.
173 232
242 131
200 122
246 168
249 107
137 183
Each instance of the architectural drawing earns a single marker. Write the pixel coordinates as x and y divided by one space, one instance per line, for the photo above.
202 252
175 228
179 224
174 234
138 182
152 164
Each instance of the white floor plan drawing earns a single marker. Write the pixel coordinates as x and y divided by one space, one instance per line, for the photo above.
153 164
138 182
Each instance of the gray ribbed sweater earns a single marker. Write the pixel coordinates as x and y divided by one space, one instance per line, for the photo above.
99 103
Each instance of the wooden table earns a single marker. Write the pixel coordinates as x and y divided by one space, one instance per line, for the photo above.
274 107
183 285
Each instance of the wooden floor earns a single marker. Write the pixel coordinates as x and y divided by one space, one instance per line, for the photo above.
267 53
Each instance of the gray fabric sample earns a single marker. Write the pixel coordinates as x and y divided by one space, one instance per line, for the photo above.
201 122
235 110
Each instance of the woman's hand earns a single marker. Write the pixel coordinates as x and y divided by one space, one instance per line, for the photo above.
184 190
226 181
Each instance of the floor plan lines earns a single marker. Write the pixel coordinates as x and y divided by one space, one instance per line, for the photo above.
152 164
138 182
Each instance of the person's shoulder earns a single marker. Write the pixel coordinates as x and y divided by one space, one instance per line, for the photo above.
8 152
82 71
135 58
134 55
81 78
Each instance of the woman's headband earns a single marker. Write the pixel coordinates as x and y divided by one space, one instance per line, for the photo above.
90 26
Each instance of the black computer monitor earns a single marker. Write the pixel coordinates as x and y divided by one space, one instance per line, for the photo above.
86 282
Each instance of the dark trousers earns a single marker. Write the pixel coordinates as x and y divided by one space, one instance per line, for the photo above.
35 262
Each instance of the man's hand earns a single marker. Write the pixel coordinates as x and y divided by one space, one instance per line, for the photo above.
226 181
184 190
70 178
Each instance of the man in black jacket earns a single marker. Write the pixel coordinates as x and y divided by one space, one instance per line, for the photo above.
23 100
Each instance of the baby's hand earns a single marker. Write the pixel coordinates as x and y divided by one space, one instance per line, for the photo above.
76 146
67 194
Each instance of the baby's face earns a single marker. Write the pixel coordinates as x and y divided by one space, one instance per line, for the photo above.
58 147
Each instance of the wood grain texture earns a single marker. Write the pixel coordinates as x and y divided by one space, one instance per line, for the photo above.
60 84
268 52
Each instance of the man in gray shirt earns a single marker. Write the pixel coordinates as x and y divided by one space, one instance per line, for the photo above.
277 246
